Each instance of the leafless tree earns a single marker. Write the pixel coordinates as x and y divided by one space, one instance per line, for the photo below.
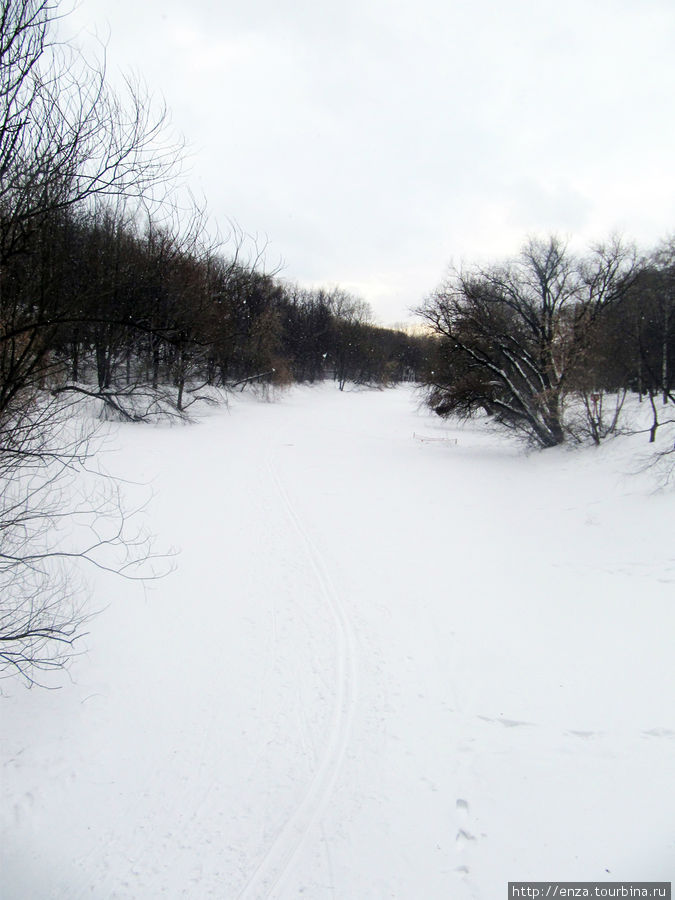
65 136
58 515
67 142
663 261
514 334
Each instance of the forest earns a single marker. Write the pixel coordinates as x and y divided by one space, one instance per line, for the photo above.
114 292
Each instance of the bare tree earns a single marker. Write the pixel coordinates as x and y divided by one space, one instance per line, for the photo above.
514 334
664 264
67 142
58 515
65 136
350 314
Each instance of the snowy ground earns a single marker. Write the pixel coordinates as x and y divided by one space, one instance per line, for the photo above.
384 667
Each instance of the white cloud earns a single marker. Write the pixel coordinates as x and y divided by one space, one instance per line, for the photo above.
374 140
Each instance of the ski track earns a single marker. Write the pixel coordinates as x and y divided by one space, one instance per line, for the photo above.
271 874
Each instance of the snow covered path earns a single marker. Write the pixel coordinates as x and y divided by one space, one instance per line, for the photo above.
384 668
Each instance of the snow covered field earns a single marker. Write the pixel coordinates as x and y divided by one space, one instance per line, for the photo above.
384 668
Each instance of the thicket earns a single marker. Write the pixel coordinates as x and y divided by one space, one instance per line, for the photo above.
549 343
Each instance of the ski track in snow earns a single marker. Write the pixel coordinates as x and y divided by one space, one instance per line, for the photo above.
421 675
270 875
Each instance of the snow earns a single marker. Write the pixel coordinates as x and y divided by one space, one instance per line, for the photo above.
383 667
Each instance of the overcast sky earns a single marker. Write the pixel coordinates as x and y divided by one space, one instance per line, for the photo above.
373 142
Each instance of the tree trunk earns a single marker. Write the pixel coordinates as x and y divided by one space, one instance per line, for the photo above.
664 349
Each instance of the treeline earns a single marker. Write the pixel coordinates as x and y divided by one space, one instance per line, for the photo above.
106 289
95 302
540 341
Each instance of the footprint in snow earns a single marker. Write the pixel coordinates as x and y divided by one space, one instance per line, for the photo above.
660 732
463 836
507 723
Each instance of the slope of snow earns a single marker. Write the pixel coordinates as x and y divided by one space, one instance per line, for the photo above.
384 667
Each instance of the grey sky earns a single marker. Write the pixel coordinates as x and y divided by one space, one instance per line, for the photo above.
375 142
